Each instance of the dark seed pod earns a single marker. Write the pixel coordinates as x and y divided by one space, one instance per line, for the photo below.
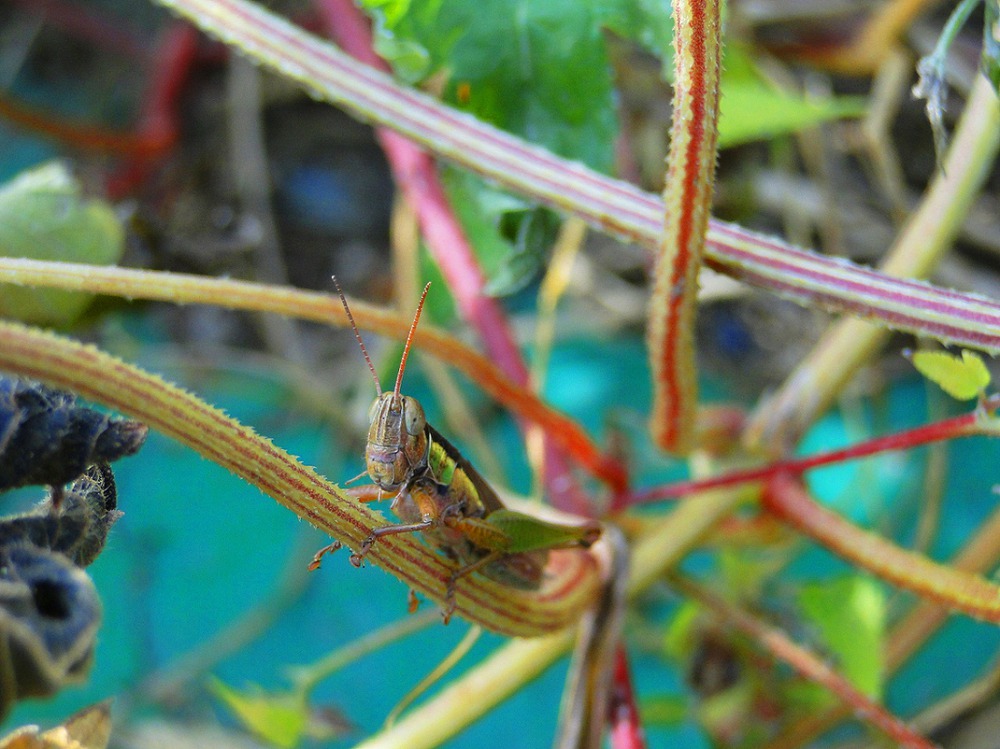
46 438
49 615
79 527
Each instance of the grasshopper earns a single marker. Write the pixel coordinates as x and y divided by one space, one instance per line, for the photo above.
436 491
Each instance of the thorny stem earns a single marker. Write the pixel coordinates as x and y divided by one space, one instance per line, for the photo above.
687 200
571 580
966 425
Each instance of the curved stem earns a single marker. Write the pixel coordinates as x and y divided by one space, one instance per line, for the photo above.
571 580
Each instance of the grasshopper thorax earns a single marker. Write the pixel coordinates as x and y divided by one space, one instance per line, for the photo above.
397 440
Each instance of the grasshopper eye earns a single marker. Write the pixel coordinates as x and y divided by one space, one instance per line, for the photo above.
413 414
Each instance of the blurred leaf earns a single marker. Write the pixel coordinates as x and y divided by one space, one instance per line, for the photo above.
745 571
533 233
726 711
279 718
647 22
849 614
511 239
43 216
806 696
666 710
537 68
962 377
753 108
678 639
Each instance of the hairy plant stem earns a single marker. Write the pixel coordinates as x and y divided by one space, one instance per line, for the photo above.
687 201
571 583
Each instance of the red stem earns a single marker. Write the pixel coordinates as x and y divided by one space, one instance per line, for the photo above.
623 713
959 426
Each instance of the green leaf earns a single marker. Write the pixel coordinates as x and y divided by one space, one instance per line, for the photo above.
44 217
745 571
533 233
962 377
667 710
849 615
482 210
537 68
529 533
279 718
510 238
678 639
646 22
753 108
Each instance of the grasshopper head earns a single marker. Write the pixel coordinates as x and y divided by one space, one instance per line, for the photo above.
397 440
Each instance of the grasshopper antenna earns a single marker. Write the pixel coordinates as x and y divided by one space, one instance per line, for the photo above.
409 340
357 334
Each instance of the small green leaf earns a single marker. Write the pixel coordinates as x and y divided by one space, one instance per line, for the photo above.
44 217
533 233
529 533
807 696
752 108
647 22
279 718
668 710
678 639
849 614
962 377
